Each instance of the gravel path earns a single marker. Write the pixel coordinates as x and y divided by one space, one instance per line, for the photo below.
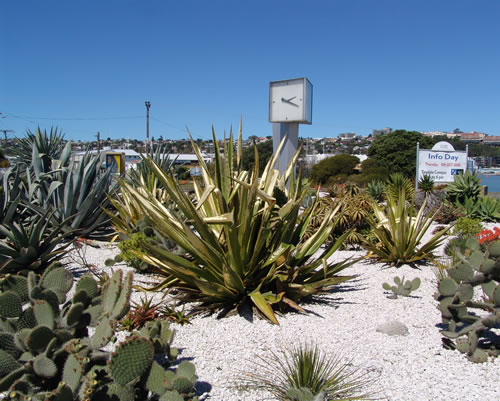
413 367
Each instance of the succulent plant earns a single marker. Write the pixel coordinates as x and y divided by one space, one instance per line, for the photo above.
402 287
467 331
375 189
76 192
48 146
47 353
466 185
32 246
426 184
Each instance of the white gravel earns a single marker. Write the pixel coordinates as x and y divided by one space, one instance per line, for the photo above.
414 367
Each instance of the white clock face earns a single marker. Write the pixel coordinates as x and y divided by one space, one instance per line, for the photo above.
288 101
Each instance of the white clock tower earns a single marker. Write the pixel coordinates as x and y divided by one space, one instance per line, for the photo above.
290 104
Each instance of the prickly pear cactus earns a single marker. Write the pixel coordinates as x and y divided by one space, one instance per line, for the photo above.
471 315
402 287
46 352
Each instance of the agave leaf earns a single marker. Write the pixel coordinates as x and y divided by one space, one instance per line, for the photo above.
260 302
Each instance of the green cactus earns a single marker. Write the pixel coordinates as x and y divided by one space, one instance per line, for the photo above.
402 287
46 352
10 305
474 269
131 359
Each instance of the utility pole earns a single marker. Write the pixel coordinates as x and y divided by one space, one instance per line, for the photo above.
148 105
98 142
5 131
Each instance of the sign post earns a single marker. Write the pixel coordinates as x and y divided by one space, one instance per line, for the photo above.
441 163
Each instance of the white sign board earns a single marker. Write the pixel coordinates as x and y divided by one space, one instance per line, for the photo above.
441 166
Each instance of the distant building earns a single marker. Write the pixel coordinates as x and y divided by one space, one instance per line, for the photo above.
471 137
492 140
347 136
434 133
383 131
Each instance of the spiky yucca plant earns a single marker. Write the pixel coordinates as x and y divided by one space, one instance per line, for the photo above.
48 145
426 184
240 247
32 246
305 373
398 233
398 183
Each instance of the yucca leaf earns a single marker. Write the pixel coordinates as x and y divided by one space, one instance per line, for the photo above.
262 305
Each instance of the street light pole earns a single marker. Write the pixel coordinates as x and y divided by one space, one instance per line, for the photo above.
148 105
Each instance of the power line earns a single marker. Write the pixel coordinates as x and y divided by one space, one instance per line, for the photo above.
25 117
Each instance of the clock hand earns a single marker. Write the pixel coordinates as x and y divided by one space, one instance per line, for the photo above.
291 98
289 102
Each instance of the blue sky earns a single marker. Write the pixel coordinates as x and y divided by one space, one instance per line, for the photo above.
88 66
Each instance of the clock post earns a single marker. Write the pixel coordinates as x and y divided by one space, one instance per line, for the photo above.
290 104
291 131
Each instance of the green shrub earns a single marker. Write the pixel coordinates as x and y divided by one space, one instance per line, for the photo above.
332 167
466 226
128 247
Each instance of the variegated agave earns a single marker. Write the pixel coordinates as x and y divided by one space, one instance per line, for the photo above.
398 233
240 247
76 192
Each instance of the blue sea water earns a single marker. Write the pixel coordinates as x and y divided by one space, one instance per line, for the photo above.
491 181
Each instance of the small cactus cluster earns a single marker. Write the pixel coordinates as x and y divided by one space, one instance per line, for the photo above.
467 331
402 287
46 352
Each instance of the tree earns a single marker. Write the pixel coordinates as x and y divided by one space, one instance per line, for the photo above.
370 171
336 166
397 151
265 150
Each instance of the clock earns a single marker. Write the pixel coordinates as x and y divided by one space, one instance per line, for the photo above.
290 101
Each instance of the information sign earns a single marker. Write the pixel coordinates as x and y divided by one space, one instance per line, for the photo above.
439 165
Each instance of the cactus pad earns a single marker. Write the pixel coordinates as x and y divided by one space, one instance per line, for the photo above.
58 280
74 314
87 284
39 337
72 371
186 369
8 344
10 305
17 284
131 359
103 333
155 379
171 396
7 363
44 314
44 366
182 384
